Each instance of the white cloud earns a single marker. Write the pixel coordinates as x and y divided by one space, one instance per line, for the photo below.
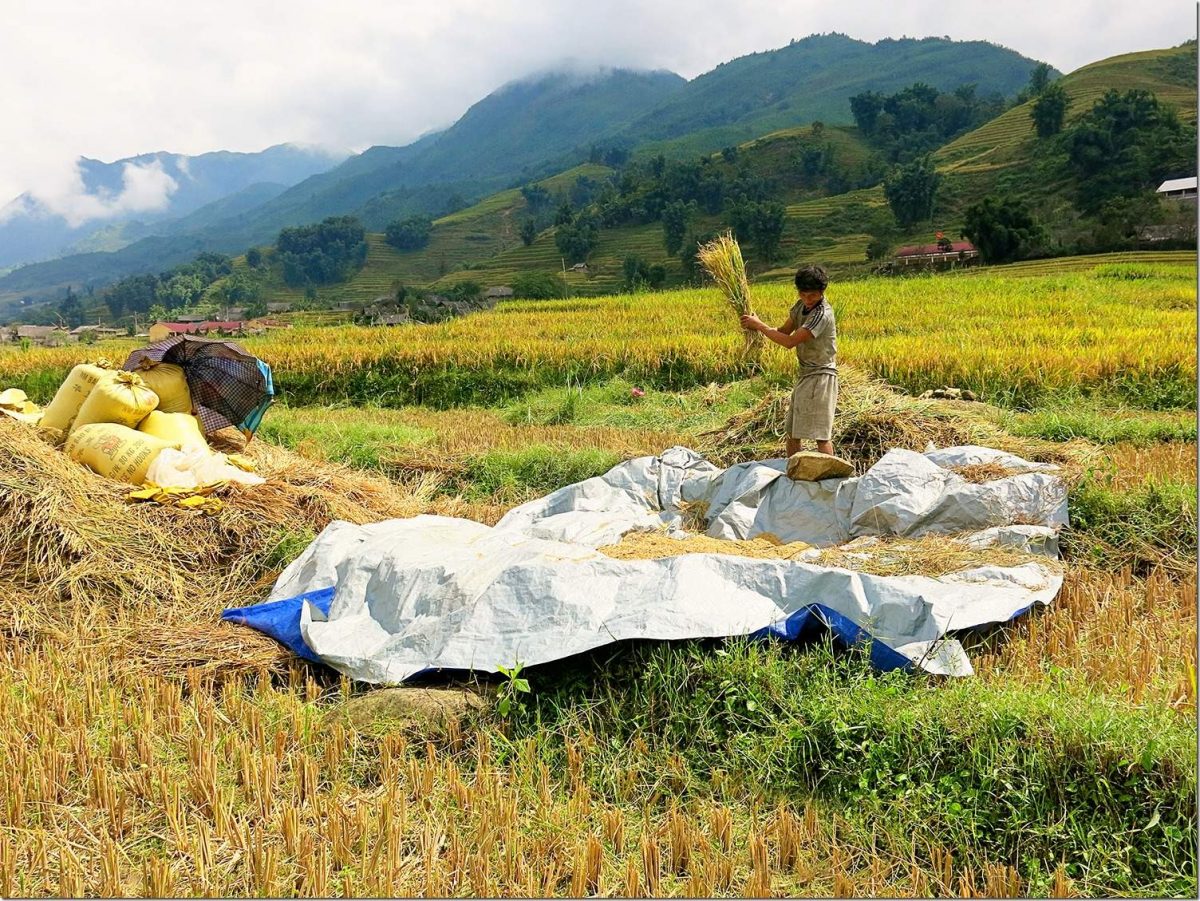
110 80
144 188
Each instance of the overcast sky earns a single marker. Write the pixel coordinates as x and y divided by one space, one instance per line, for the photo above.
115 78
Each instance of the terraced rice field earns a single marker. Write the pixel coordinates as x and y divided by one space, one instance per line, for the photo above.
994 143
1138 325
604 273
1182 263
157 752
823 206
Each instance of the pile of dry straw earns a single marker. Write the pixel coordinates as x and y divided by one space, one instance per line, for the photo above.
144 584
872 418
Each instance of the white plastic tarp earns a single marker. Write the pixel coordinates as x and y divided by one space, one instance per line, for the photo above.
429 592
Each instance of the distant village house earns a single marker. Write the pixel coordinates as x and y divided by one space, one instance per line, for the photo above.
98 331
45 335
392 319
942 253
160 331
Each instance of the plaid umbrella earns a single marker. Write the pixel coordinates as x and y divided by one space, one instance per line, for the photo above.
229 386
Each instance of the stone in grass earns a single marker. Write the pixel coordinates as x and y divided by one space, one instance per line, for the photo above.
423 709
949 393
811 466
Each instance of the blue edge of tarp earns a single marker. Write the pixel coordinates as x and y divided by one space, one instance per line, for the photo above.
281 620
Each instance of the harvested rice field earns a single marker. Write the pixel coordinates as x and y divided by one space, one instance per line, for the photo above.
153 750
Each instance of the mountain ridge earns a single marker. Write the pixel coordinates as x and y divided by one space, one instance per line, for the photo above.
390 182
153 187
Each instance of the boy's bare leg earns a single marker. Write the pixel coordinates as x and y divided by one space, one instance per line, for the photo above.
824 447
793 445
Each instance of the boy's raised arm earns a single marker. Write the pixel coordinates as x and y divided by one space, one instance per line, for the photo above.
789 338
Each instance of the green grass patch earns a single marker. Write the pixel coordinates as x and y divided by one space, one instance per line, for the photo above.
1101 425
1153 525
1030 776
362 443
518 475
614 403
289 546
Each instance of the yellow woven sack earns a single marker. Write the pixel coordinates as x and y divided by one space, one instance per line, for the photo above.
120 397
60 413
115 451
179 429
170 384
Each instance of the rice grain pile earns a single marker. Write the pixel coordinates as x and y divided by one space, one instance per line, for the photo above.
722 260
657 545
931 555
980 473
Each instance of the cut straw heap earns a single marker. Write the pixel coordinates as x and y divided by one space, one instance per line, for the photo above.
722 260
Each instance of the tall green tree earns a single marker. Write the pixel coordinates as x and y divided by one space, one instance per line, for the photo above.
539 286
181 290
769 219
640 275
240 288
329 251
865 108
675 216
1125 145
1002 229
529 232
71 309
575 241
411 233
537 198
1039 78
1049 110
911 190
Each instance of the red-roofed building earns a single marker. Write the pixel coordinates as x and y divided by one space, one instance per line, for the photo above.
946 251
163 330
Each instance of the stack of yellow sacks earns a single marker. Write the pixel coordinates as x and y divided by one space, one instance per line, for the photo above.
119 424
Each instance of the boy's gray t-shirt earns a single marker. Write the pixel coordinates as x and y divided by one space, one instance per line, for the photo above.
819 354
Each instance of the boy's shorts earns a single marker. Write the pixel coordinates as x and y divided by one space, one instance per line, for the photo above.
814 400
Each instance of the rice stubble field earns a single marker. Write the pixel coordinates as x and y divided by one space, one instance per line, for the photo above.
155 751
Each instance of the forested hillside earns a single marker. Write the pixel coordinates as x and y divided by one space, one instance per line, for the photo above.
920 164
541 125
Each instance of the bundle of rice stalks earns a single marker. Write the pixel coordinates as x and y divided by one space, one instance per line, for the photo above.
722 260
144 584
872 418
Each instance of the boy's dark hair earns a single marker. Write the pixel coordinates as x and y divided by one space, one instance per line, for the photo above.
811 278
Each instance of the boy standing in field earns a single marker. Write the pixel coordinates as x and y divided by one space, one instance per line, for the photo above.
810 329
